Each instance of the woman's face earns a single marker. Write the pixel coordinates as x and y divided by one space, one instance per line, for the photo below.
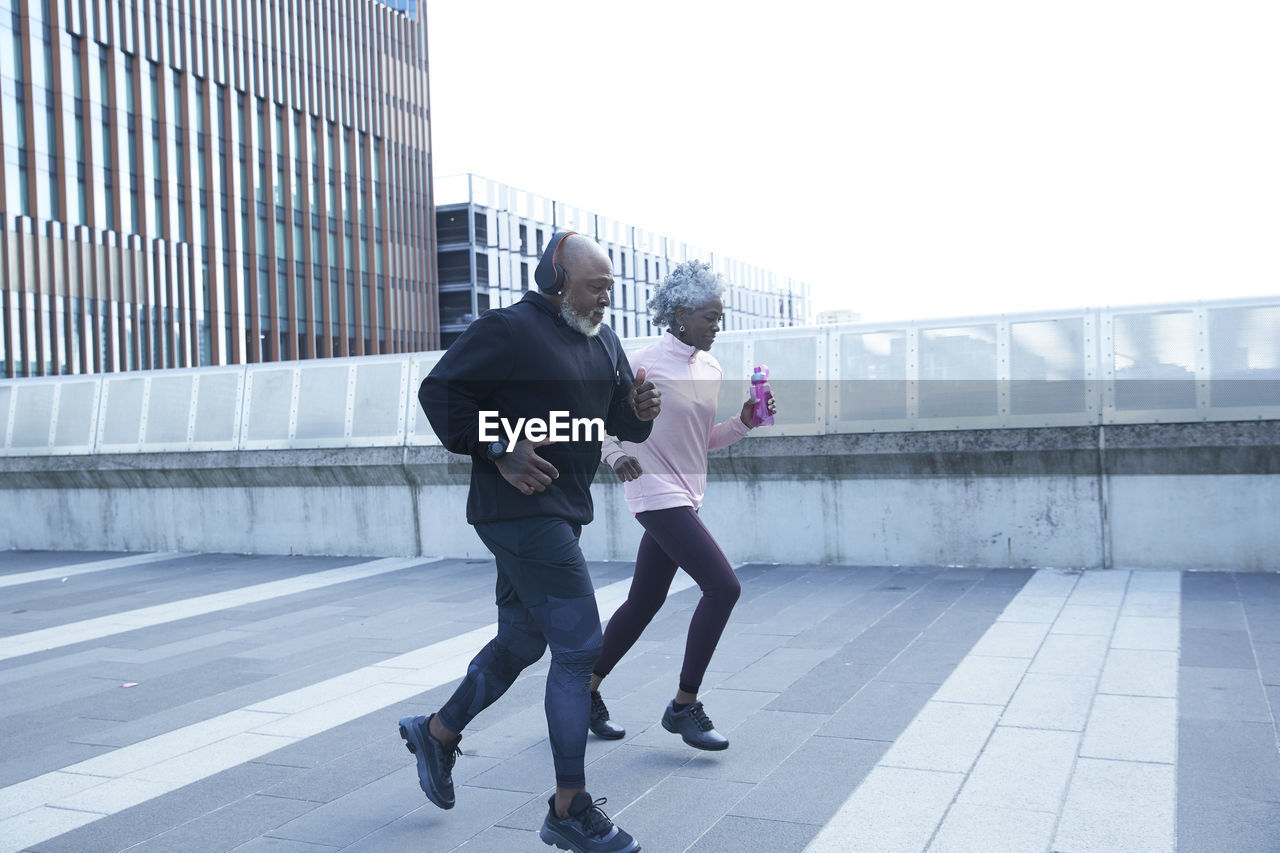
701 324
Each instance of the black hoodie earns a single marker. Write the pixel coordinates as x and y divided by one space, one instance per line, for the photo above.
524 361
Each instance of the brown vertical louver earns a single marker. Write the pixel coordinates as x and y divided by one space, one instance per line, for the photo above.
135 236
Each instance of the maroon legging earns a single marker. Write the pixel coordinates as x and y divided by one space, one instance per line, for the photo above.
674 538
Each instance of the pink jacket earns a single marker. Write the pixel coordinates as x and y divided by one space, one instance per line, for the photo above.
674 457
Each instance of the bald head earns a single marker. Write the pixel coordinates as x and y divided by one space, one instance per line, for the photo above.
588 274
577 250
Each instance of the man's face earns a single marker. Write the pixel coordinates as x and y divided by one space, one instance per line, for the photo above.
589 280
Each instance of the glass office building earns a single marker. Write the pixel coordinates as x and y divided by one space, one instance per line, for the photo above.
490 236
194 182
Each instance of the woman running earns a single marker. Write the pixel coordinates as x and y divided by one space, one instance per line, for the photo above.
665 479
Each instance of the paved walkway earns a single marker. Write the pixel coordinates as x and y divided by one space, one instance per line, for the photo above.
214 703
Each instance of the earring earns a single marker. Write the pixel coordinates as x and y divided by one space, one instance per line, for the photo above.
682 328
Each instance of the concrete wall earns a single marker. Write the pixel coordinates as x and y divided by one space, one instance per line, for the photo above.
1184 496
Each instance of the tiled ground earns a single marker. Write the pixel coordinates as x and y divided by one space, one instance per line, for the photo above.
214 703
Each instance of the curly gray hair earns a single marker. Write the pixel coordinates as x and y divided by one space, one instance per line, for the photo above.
686 286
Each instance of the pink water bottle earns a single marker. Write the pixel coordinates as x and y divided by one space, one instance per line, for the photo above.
760 393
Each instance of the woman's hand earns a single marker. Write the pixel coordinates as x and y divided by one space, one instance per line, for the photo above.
749 407
627 468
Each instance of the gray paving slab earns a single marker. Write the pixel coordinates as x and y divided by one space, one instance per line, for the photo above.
363 811
1228 786
895 810
1268 657
1091 619
733 834
1213 615
162 814
777 670
1121 806
429 828
757 747
346 772
839 629
983 680
828 686
879 711
945 736
918 613
794 620
228 827
664 819
501 839
993 829
815 682
813 781
1140 673
877 645
1216 647
1209 586
14 561
1060 702
1011 640
926 661
1025 769
52 755
960 625
1228 760
1218 693
269 844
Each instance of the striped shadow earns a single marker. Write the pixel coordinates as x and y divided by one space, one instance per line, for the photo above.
43 807
1055 732
60 636
74 569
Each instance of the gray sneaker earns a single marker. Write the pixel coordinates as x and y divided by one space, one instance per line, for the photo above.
587 829
694 727
435 760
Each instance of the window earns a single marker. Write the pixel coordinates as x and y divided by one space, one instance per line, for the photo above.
454 267
451 227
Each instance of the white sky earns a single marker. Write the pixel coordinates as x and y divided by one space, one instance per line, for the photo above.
907 158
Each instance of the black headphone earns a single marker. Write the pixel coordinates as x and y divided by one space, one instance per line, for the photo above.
549 275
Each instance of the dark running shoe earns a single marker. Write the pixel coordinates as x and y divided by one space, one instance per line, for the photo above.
694 726
435 760
600 720
587 829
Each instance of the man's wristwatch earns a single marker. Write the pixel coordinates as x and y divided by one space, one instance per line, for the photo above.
494 449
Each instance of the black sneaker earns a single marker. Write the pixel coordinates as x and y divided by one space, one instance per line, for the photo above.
694 726
600 720
435 760
587 829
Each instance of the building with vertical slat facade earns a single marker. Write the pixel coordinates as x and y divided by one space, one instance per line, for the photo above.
206 182
491 235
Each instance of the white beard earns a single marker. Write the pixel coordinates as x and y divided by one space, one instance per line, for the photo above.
578 322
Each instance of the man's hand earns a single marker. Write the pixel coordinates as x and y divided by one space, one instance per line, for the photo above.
627 468
524 469
645 398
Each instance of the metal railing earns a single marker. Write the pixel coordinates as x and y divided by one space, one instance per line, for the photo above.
1203 361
